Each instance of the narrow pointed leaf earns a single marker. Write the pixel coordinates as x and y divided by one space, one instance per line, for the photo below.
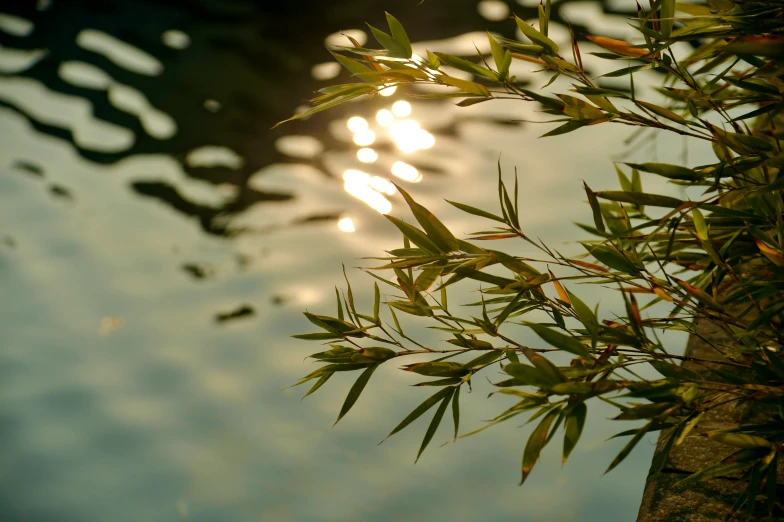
431 430
573 428
536 443
356 390
422 408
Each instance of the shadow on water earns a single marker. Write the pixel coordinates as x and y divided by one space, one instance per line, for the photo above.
202 81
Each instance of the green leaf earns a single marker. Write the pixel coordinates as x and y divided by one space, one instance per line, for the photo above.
484 359
431 430
612 257
422 408
361 90
559 340
584 313
324 378
467 86
661 111
340 305
668 171
753 85
536 443
597 211
640 198
399 35
395 48
573 428
456 410
436 231
739 440
433 61
629 446
416 236
667 17
501 57
535 36
644 411
466 66
699 224
318 336
628 70
476 211
427 277
626 185
437 369
674 371
356 390
353 66
529 375
376 303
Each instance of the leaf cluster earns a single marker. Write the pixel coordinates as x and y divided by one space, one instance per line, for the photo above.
716 259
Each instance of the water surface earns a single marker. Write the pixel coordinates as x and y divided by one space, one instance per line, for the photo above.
159 242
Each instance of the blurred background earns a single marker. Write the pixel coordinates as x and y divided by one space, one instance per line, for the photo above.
159 241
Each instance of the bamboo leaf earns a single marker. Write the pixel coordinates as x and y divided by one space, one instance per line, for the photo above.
356 390
436 231
666 17
399 35
536 443
395 48
597 211
465 66
456 410
431 430
640 198
629 446
559 340
699 224
535 36
668 171
573 428
475 211
584 314
419 410
501 57
467 86
324 378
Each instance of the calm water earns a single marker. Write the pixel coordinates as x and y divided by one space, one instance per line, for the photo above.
144 202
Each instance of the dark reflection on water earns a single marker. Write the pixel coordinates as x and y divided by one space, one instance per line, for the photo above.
244 66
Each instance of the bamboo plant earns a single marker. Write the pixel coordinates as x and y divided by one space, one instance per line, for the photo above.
717 258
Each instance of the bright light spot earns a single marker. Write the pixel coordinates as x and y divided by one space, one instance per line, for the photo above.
335 40
357 124
409 137
401 108
382 185
299 146
493 10
364 138
404 133
346 224
358 184
366 155
385 118
176 39
325 71
406 172
426 140
388 91
212 105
